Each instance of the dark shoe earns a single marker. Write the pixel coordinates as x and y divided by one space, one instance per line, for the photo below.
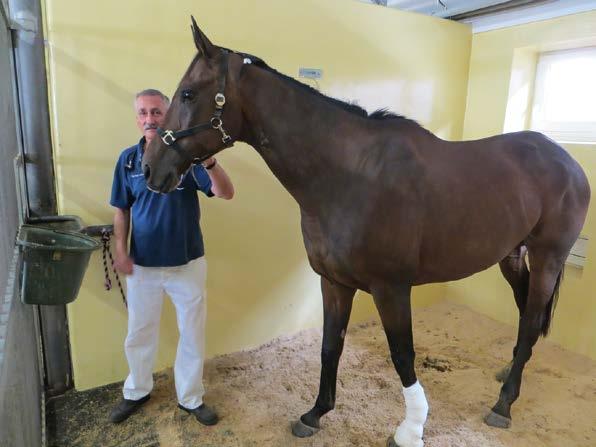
125 408
203 413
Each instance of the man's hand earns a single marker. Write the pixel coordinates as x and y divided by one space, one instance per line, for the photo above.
123 263
221 185
210 162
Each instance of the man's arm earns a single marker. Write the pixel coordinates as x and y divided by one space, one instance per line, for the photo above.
221 184
122 261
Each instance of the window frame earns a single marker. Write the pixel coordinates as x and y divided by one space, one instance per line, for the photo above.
561 131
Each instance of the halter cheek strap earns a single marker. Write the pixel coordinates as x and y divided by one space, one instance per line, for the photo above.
169 137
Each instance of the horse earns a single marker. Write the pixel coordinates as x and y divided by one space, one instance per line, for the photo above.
385 205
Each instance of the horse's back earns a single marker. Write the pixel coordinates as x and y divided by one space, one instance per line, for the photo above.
413 206
550 173
482 198
529 161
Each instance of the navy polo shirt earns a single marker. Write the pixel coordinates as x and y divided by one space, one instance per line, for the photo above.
165 227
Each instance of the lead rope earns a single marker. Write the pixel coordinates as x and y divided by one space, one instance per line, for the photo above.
105 239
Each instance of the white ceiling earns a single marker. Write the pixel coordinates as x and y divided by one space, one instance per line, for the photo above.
440 8
484 15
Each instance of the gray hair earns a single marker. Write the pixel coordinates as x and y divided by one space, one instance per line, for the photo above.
153 92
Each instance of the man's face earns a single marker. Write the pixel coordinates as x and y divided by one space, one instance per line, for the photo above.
151 111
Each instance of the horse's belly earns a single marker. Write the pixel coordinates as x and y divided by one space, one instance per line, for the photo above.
430 273
466 255
356 263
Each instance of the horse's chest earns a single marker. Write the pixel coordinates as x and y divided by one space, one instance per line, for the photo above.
331 251
316 242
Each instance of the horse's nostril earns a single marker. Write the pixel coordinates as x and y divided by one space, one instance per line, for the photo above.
146 171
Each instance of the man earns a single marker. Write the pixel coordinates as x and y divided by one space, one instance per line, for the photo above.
166 255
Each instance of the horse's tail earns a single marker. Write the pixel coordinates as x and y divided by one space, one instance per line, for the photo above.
549 311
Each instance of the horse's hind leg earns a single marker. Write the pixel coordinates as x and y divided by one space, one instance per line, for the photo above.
546 269
515 271
337 305
393 304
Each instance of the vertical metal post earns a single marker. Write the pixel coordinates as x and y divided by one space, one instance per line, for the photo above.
30 68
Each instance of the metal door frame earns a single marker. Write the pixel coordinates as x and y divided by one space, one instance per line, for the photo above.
37 168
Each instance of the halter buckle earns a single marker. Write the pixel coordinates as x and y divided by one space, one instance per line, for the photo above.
168 134
216 122
220 99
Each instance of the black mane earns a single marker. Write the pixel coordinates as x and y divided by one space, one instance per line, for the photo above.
380 114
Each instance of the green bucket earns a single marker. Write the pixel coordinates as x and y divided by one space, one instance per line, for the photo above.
54 263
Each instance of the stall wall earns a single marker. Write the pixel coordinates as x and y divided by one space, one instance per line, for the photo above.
259 283
21 385
502 66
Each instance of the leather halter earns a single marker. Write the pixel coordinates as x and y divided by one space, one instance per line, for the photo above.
169 137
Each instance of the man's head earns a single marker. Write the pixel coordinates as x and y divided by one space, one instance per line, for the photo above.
150 107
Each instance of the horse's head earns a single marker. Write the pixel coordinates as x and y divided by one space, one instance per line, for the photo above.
204 117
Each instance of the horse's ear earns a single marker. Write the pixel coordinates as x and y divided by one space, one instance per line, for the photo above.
202 43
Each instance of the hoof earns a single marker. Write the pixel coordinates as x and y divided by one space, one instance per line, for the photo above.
502 375
496 420
301 430
391 442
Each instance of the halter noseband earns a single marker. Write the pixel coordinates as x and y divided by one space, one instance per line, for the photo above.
169 137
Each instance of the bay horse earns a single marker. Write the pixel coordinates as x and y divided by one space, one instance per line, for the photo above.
385 205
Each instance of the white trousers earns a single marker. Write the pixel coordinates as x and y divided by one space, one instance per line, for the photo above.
145 290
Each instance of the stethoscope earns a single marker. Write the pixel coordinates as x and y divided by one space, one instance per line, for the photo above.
129 165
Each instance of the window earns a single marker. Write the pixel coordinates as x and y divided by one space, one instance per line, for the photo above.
565 95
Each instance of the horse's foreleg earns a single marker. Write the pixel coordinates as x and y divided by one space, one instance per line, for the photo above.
393 304
337 305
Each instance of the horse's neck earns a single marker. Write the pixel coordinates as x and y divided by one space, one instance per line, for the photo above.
295 131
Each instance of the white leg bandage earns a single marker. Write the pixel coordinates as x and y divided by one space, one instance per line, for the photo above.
409 432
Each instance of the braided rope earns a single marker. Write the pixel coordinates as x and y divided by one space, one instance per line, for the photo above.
105 239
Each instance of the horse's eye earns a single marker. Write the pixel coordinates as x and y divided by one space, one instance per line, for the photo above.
187 95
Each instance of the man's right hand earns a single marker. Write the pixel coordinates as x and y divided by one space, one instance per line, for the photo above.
123 263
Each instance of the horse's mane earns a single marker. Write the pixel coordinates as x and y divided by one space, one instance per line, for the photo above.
380 114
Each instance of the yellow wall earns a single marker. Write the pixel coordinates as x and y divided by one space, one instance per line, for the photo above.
260 285
502 66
